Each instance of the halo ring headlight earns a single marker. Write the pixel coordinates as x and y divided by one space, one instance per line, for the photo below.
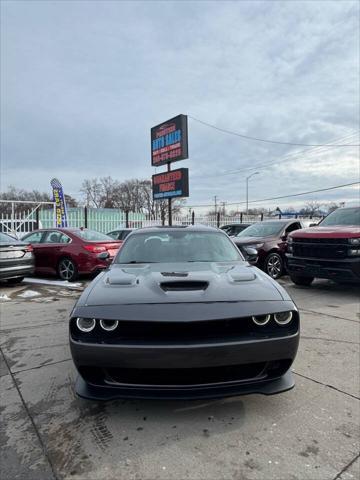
261 320
283 318
85 324
109 325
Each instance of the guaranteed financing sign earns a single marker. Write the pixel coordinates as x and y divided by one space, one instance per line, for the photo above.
171 184
169 141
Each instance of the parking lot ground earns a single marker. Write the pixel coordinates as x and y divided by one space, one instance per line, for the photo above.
311 432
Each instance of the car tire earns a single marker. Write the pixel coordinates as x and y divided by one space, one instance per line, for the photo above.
67 269
274 265
14 281
302 281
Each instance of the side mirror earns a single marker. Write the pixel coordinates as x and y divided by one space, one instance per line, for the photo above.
283 238
251 255
313 225
103 255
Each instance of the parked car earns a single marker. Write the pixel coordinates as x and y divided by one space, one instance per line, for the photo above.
120 234
180 314
16 259
269 239
329 250
233 229
69 252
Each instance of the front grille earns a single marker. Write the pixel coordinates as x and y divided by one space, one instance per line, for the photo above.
184 376
181 377
328 241
184 332
318 251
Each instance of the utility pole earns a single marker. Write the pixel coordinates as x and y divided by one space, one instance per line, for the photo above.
215 200
247 190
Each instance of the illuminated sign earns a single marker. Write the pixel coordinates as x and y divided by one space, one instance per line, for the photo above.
171 184
169 141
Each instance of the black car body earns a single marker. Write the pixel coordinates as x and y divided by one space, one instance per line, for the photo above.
16 259
269 238
191 328
234 228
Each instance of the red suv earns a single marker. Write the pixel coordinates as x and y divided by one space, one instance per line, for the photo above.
330 250
69 252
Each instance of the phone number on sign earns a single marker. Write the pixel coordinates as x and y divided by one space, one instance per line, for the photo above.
167 156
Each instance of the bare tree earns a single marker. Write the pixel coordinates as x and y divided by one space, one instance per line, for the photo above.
17 194
92 189
312 207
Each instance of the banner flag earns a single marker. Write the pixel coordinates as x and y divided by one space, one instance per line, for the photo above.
60 204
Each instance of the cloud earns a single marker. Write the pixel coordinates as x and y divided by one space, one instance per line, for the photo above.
83 82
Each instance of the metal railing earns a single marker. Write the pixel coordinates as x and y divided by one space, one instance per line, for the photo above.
107 219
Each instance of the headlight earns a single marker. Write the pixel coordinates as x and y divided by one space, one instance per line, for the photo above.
85 324
354 252
283 318
109 325
354 241
256 245
261 320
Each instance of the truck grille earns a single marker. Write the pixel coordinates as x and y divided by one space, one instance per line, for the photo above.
318 250
323 241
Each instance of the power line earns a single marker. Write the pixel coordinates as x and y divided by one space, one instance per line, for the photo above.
286 196
256 139
290 156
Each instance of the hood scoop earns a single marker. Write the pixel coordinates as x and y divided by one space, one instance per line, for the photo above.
174 274
117 278
184 285
238 277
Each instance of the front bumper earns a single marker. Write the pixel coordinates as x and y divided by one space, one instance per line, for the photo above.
342 269
186 371
269 387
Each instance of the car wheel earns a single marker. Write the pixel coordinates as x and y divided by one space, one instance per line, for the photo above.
14 281
67 270
274 265
304 281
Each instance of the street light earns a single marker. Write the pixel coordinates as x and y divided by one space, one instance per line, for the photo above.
247 190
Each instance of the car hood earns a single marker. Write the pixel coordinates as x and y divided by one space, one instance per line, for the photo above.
181 283
250 240
341 231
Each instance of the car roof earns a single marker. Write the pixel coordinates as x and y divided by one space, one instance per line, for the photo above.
235 225
174 228
121 229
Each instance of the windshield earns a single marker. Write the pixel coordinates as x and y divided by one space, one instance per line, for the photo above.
92 236
6 238
178 247
265 229
346 216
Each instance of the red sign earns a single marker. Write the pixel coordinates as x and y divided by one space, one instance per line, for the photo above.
171 184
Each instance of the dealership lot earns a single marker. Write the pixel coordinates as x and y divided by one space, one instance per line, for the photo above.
311 432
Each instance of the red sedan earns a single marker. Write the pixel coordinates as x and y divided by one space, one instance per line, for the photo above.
69 252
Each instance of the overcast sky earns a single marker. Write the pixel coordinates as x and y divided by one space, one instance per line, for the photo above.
82 83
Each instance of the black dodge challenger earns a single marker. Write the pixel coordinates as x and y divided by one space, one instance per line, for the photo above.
181 314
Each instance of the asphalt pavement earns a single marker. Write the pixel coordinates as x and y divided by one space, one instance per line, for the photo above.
310 432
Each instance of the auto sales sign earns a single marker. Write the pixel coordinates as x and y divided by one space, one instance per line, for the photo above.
171 184
169 141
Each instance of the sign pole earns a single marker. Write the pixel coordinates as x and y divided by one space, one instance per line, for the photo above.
169 199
